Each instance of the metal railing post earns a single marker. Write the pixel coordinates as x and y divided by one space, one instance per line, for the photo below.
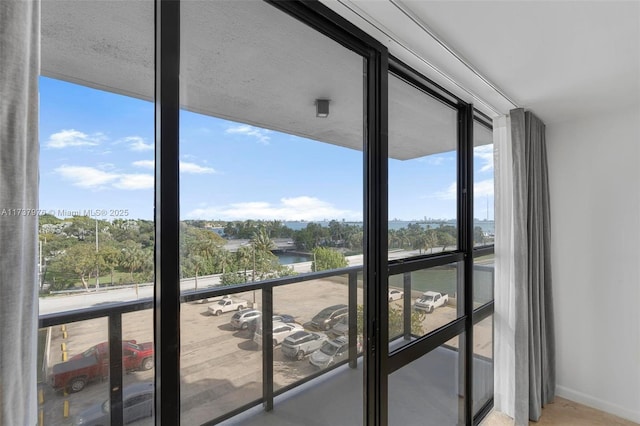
115 368
406 304
267 347
353 319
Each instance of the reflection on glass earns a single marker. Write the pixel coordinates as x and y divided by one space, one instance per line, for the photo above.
422 172
320 309
483 180
482 362
483 279
432 302
220 364
73 361
427 391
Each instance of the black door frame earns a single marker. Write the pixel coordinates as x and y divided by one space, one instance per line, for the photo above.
378 363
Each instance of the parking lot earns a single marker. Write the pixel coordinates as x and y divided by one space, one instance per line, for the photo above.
221 368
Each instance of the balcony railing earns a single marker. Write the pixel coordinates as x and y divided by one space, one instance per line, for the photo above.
113 313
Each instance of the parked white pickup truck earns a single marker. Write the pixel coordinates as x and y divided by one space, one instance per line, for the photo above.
430 300
227 305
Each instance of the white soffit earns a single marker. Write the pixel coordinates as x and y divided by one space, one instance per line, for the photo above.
243 61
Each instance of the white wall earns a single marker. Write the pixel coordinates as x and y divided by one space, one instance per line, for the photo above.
594 173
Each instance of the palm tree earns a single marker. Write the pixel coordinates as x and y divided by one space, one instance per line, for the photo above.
223 259
132 258
261 241
244 258
263 258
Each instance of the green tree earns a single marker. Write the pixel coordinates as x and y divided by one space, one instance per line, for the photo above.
325 258
132 258
48 219
109 257
311 236
223 260
445 239
478 235
355 241
233 278
244 259
396 322
80 259
261 241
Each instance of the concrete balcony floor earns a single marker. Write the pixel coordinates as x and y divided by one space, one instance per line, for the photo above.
422 393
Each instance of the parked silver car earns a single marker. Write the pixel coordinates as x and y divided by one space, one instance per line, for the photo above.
302 343
241 320
281 331
331 352
137 402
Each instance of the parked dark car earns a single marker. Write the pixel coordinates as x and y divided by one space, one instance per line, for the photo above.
328 317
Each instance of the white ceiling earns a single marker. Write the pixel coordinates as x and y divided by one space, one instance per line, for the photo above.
561 59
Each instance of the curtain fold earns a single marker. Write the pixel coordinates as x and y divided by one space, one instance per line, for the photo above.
19 70
525 345
504 312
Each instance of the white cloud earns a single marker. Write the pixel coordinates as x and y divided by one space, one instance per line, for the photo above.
145 164
137 143
93 178
244 129
184 167
72 137
295 208
483 188
484 154
480 189
134 181
86 177
194 168
451 193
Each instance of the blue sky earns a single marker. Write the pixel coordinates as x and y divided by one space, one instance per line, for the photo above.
96 153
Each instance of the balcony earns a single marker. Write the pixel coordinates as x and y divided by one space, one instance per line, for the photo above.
224 373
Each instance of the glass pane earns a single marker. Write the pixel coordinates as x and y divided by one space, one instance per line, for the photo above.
483 279
319 335
73 371
96 229
271 142
422 301
422 172
220 363
483 206
428 391
138 362
482 362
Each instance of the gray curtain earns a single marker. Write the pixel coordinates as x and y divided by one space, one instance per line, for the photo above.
534 329
19 69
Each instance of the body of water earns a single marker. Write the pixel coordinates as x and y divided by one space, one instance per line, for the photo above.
287 258
487 226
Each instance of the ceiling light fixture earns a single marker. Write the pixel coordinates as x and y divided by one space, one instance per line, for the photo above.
322 108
